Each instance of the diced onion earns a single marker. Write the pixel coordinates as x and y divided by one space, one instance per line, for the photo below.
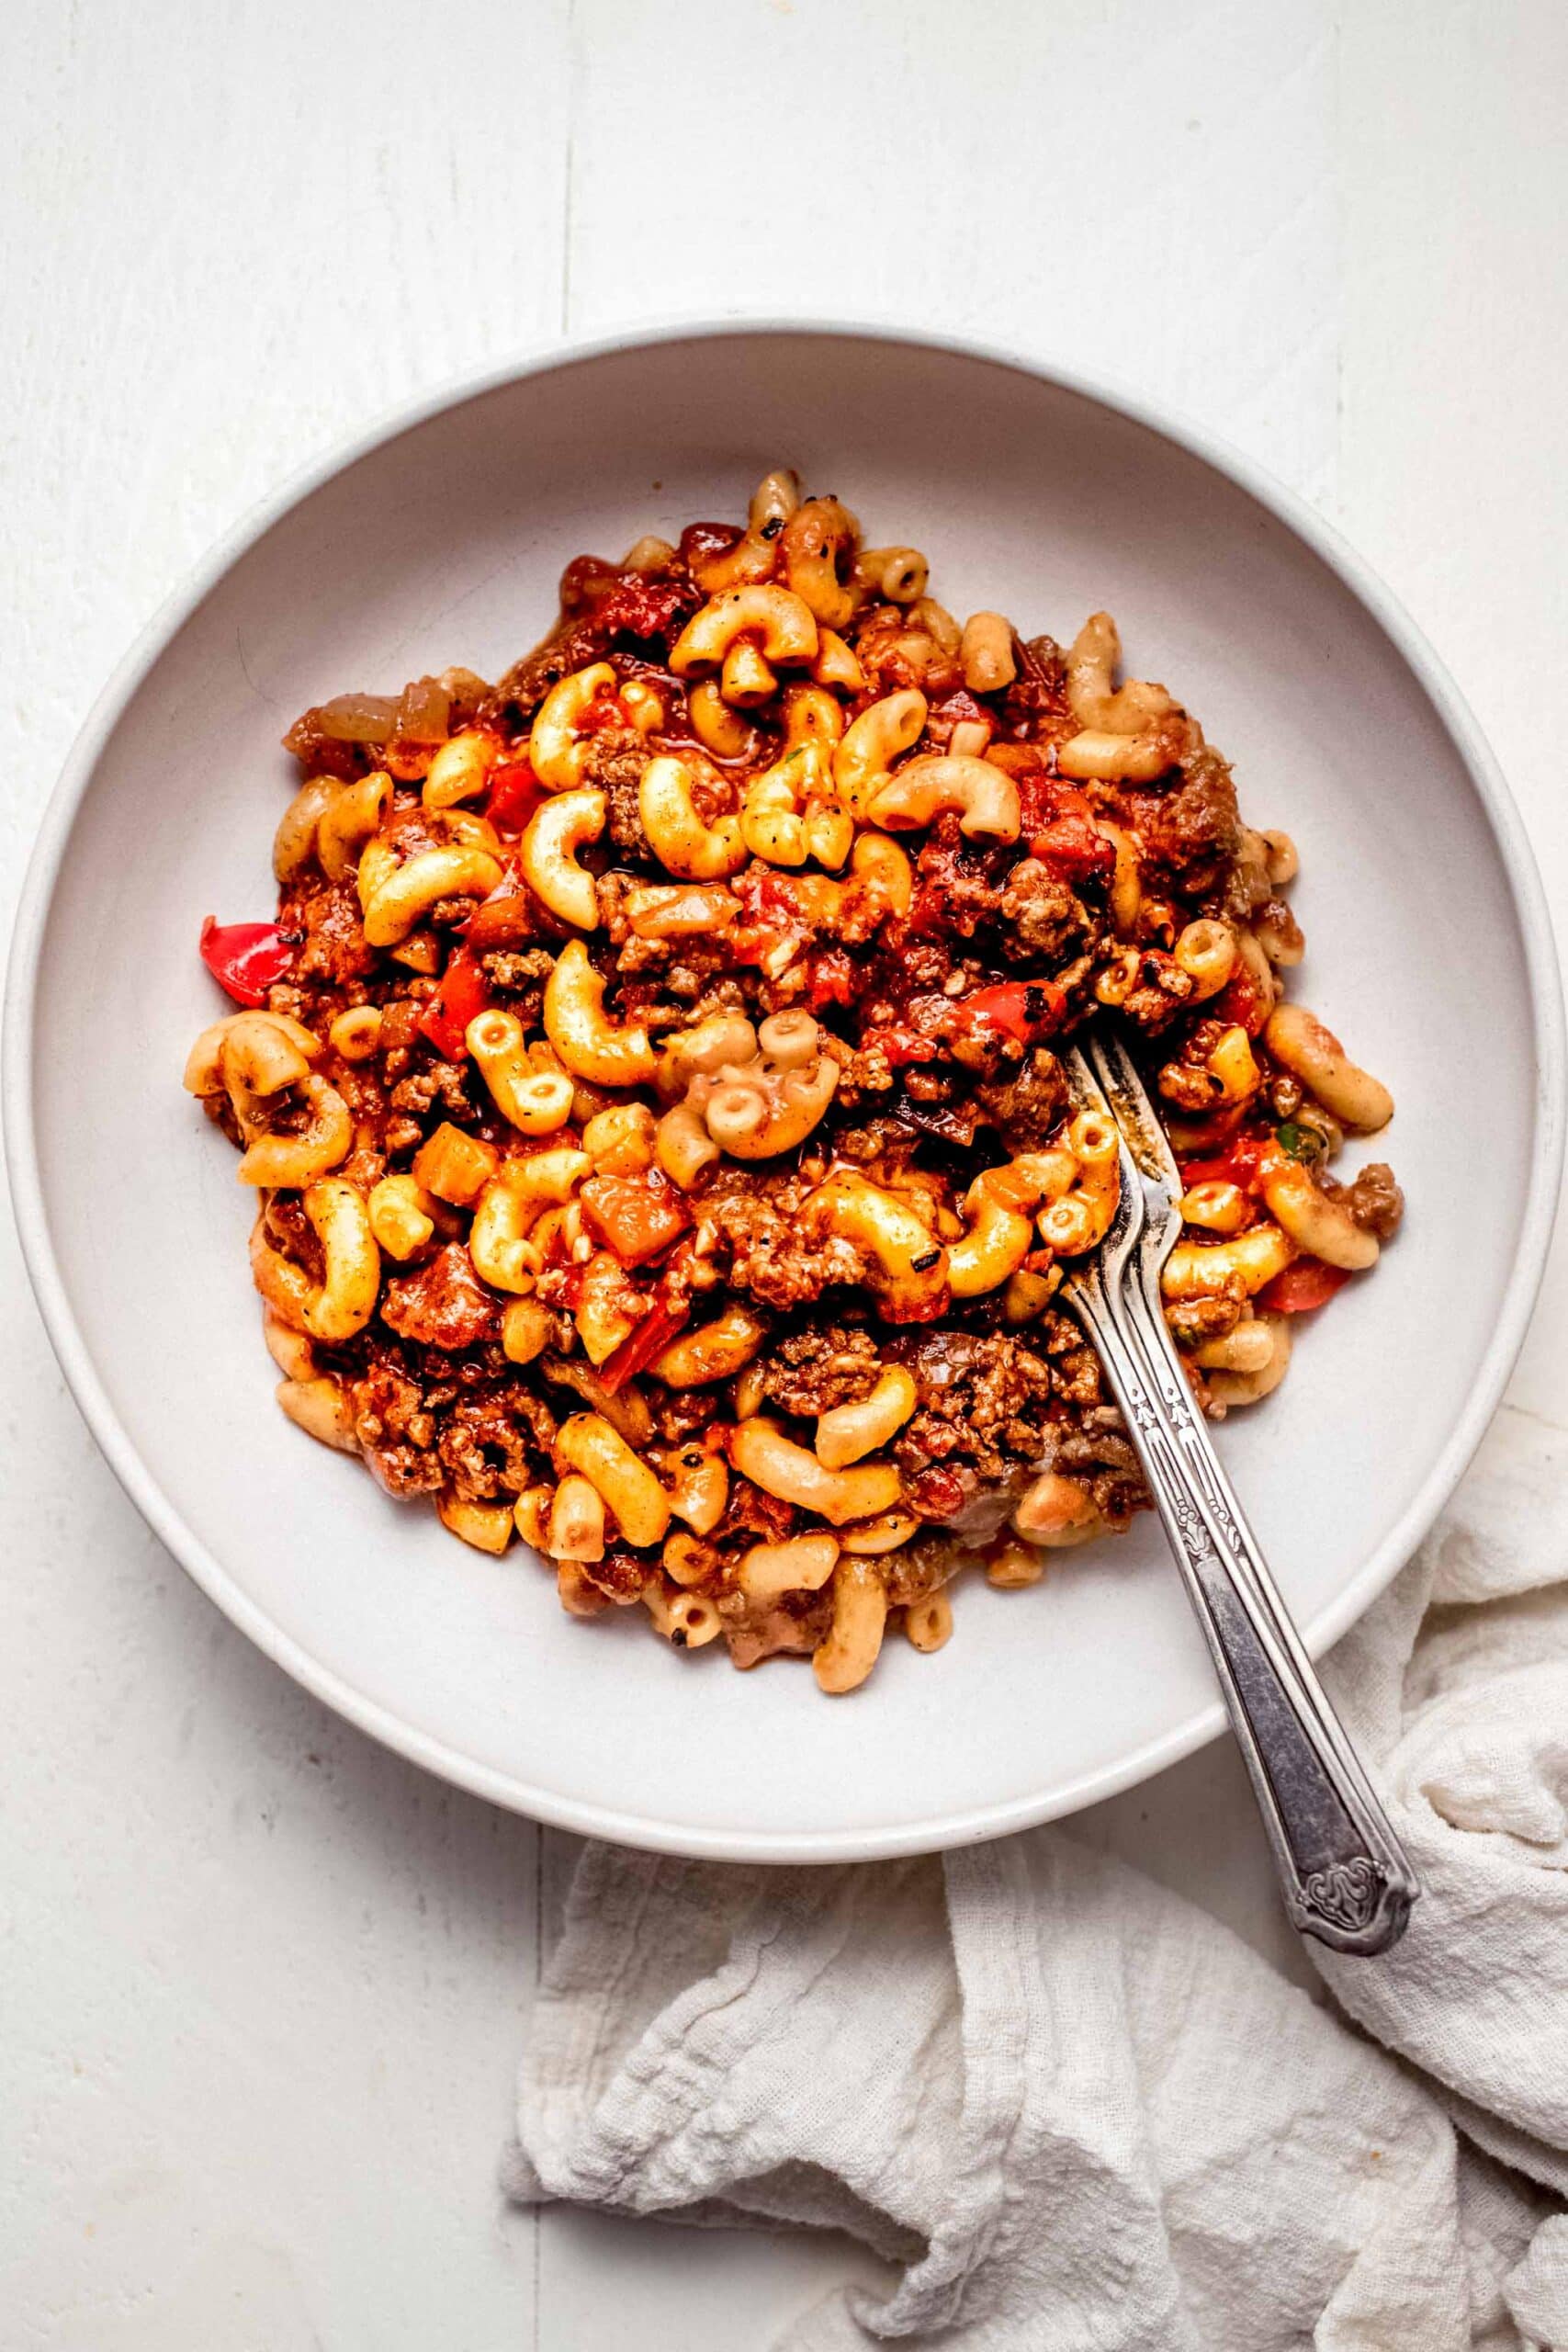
359 718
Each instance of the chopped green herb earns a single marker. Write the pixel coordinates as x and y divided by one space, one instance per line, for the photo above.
1301 1143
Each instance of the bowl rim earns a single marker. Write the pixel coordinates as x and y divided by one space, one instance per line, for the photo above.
17 1086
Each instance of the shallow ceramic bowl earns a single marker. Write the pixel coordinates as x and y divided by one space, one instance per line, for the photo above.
440 540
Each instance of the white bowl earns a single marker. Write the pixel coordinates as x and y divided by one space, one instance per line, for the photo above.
440 539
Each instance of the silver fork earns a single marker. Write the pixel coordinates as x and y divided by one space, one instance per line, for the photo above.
1345 1877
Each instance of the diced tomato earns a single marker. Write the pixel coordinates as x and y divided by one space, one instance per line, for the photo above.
1307 1285
464 991
1026 1010
1244 1163
636 1216
1043 799
606 709
244 957
514 792
774 917
638 606
644 1342
1073 848
900 1046
832 979
1240 1002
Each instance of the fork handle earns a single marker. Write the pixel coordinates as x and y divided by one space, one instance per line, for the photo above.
1345 1877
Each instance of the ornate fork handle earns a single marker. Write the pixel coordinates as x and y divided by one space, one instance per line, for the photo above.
1345 1877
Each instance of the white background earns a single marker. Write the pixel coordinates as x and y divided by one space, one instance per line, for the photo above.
263 1986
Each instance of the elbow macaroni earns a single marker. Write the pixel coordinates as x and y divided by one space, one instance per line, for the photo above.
663 1155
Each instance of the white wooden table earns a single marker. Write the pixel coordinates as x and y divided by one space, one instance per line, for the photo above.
264 1984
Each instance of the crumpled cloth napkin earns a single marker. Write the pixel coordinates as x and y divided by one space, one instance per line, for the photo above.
1081 2113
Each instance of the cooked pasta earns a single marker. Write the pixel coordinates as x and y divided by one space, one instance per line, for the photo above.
650 1087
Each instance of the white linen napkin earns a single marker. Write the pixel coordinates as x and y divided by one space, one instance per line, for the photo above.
1078 2112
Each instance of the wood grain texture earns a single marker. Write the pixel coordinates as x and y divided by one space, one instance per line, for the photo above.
264 1984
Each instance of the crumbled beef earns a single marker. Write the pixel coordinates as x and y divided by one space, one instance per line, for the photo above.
1024 1109
961 883
680 1412
1045 914
444 1304
1374 1200
770 1255
484 1447
616 760
750 1513
519 977
983 1400
402 1135
396 1431
618 607
518 694
1097 1452
442 1083
812 1370
1162 989
620 1575
1036 702
289 1230
1192 1321
1190 832
326 915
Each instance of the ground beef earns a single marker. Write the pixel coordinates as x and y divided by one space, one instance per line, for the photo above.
289 1230
769 1255
617 607
960 884
1162 989
1045 914
441 1083
614 759
1190 831
1024 1109
1097 1452
397 1430
1194 1320
753 1517
444 1304
812 1370
483 1446
620 1575
1036 702
984 1399
1187 830
1373 1199
518 694
332 935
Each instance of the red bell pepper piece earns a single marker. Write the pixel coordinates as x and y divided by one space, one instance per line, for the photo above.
464 991
1026 1010
1307 1285
644 1342
245 957
514 792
